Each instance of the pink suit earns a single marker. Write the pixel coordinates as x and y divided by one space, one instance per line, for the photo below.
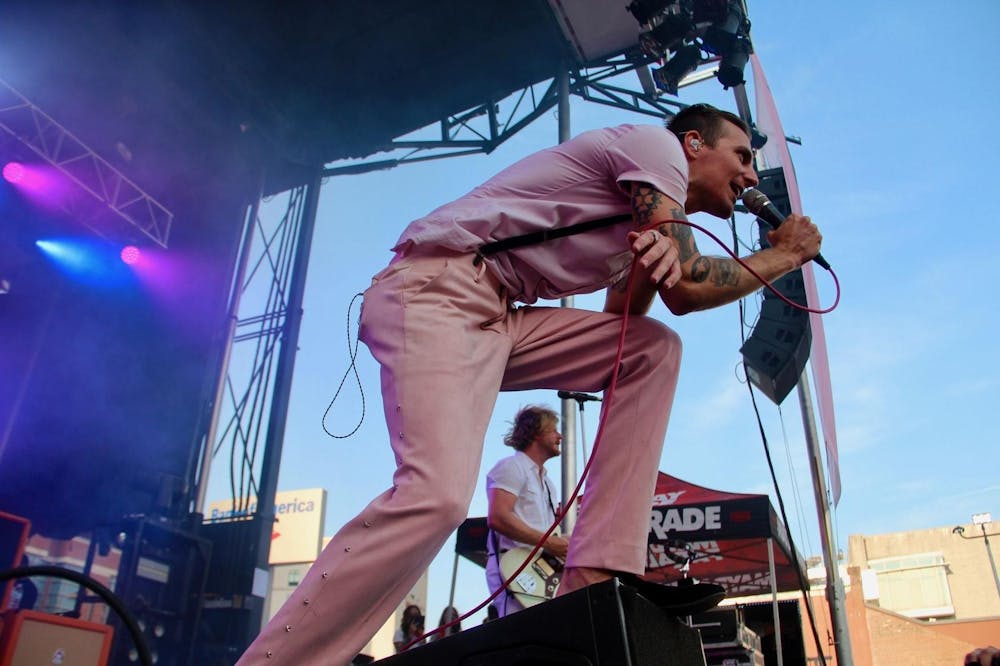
448 340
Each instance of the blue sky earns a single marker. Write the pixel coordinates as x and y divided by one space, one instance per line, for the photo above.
896 107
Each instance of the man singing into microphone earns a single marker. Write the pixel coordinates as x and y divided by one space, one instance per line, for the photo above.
451 322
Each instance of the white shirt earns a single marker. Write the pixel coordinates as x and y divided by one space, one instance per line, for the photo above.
536 501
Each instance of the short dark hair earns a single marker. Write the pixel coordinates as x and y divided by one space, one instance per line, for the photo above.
706 120
528 423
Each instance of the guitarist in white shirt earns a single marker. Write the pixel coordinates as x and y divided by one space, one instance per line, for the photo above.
522 506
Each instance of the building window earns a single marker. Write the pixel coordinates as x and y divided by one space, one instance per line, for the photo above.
914 585
294 576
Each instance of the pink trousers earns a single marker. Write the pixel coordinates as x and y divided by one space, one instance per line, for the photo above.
447 342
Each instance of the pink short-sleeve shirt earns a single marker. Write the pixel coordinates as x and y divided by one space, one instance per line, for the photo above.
577 181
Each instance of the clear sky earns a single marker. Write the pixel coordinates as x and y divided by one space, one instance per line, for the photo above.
896 106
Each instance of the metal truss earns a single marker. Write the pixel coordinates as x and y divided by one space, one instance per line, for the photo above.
482 128
243 404
253 403
93 176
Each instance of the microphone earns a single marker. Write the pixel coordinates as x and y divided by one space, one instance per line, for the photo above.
580 397
758 204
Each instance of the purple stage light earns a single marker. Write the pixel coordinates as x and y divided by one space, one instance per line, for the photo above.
13 172
43 184
130 255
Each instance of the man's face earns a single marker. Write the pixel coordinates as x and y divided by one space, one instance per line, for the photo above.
720 173
549 440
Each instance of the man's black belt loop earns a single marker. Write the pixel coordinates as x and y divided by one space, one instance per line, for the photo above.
535 237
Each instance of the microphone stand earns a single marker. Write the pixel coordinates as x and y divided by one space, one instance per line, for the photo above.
580 399
569 478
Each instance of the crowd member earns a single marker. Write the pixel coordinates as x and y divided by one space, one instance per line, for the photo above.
448 615
984 656
410 628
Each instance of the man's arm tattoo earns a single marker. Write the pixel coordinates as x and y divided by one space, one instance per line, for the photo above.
683 238
645 200
723 272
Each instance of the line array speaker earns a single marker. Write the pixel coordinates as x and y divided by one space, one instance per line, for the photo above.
778 347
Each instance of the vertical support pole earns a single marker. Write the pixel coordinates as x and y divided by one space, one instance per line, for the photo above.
454 578
283 375
834 586
568 415
232 320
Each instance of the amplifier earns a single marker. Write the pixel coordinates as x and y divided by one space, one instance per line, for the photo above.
31 638
13 535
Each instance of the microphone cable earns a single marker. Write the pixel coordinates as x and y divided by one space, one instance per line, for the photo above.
608 403
608 400
759 277
352 352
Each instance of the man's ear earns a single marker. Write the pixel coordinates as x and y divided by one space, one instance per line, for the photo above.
692 143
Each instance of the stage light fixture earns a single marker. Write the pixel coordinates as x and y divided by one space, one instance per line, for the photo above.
734 63
83 259
13 172
684 61
729 38
130 255
645 10
68 253
685 28
668 30
757 138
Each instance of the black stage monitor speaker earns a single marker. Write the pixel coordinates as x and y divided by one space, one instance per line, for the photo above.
778 348
603 625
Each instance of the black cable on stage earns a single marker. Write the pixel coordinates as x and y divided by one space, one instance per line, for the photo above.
104 593
803 583
353 354
793 556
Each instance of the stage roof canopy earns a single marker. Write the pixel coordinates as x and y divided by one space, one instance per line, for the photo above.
154 85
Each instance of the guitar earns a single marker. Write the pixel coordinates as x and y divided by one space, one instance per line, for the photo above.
540 579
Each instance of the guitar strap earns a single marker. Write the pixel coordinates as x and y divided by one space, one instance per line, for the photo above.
548 492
